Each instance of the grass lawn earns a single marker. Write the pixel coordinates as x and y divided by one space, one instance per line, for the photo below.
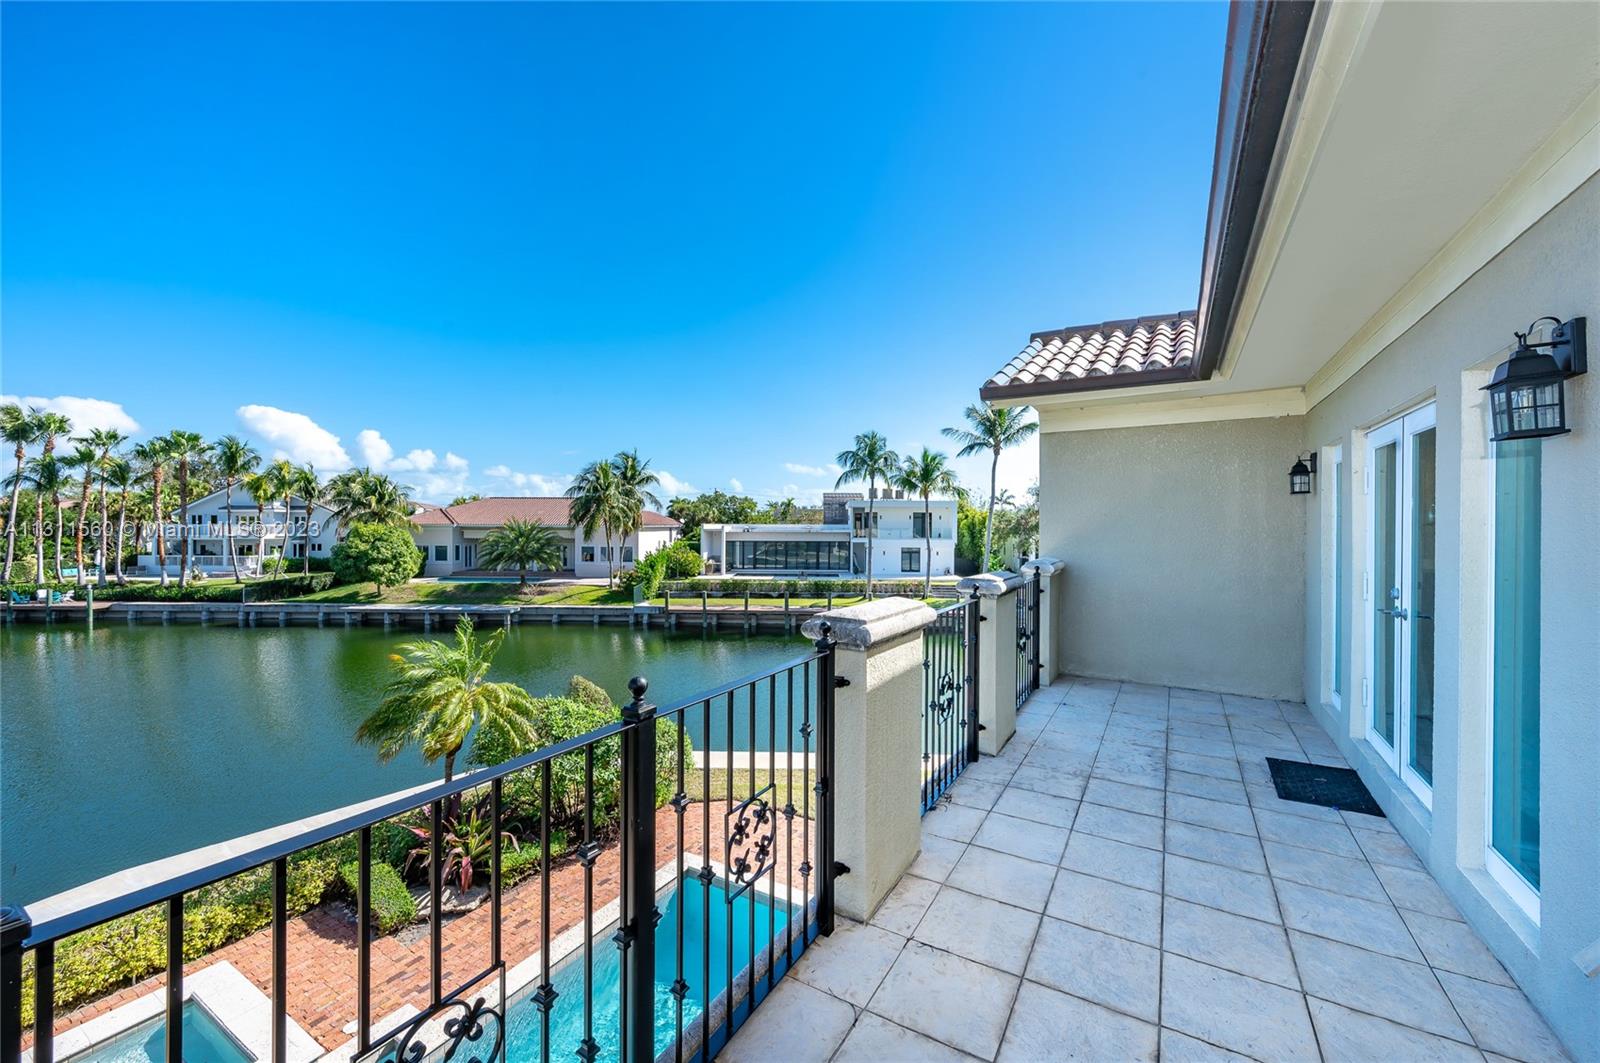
694 784
489 593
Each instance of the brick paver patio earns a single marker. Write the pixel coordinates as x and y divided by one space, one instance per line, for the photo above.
1123 883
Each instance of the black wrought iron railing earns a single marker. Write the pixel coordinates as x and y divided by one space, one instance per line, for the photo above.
718 807
1028 600
950 698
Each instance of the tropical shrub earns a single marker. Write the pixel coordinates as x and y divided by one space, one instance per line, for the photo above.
381 554
684 561
274 566
468 845
390 902
262 590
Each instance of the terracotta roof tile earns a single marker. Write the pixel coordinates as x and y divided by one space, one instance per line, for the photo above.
556 512
1134 345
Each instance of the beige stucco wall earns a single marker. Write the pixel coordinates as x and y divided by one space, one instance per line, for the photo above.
1553 268
1184 553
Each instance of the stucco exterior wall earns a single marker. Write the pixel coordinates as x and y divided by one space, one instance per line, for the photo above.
1184 553
1553 268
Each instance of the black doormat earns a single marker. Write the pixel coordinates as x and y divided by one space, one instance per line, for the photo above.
1316 784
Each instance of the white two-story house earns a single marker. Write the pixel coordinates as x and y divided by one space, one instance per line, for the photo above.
910 538
270 531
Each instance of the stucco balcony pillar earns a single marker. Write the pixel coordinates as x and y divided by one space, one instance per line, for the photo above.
1051 576
997 656
877 784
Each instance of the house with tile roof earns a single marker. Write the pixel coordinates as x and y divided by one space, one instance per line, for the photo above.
449 535
1324 485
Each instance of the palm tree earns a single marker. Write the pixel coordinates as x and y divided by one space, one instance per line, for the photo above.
52 425
991 428
361 496
439 694
520 544
311 493
870 459
261 486
925 475
280 481
21 429
598 502
154 455
119 473
783 511
188 449
47 476
236 459
82 461
636 482
105 441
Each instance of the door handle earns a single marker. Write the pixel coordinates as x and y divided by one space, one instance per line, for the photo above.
1397 613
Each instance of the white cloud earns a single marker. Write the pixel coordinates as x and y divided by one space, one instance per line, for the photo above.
734 483
297 437
454 461
672 487
829 469
529 483
376 452
84 413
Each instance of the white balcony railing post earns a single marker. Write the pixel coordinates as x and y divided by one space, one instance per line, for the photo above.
877 783
997 656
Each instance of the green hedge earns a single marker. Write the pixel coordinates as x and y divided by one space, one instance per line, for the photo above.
392 906
777 588
212 590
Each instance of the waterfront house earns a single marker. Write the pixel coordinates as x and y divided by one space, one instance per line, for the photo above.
449 535
1301 490
908 540
273 530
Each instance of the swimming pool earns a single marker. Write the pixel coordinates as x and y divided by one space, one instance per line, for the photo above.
523 1027
204 1041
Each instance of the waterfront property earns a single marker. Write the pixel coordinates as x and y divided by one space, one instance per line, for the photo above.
1346 480
278 528
909 539
450 535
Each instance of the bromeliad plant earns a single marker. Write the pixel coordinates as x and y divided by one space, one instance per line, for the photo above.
467 844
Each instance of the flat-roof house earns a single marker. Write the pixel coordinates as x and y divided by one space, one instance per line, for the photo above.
909 539
450 534
1399 191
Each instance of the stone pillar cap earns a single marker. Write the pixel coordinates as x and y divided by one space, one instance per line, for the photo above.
991 584
860 627
1045 566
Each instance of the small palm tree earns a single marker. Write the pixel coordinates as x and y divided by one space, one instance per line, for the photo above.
870 459
361 496
520 544
119 474
992 429
439 693
155 455
236 459
22 429
926 475
311 494
598 502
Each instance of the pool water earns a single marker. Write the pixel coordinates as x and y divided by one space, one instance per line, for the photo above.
523 1028
204 1041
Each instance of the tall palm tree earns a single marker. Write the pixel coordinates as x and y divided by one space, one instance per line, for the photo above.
236 459
105 441
520 544
870 459
47 476
598 502
636 482
992 429
439 693
52 425
361 496
310 491
22 429
262 486
188 449
926 475
83 460
280 480
155 455
119 474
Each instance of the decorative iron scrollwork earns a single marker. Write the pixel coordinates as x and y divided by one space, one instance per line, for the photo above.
463 1033
751 821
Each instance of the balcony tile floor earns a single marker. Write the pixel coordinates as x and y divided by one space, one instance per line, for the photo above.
1123 883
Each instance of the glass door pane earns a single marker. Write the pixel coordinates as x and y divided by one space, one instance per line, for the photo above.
1385 586
1419 713
1514 793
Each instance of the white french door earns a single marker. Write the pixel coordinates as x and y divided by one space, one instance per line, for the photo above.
1398 593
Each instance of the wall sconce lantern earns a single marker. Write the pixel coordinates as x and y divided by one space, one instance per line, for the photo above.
1527 394
1300 474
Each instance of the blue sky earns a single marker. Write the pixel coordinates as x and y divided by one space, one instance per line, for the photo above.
480 245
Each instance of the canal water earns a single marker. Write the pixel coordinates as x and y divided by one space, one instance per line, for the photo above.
130 743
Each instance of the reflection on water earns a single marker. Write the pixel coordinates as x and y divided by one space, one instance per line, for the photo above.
132 743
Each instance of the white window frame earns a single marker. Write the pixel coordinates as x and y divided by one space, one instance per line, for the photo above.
1333 461
1508 878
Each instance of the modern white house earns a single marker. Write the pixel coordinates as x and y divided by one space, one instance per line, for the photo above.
1302 490
450 535
271 532
909 539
